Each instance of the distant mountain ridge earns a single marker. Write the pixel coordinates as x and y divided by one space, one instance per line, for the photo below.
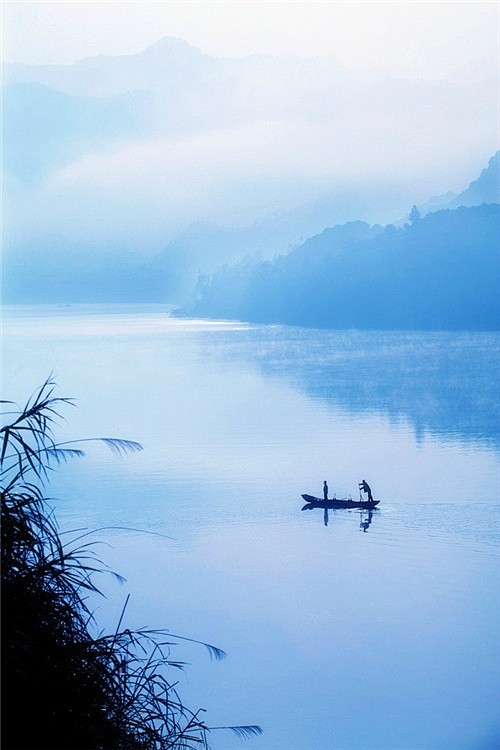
439 272
274 236
183 90
87 274
117 75
485 189
127 177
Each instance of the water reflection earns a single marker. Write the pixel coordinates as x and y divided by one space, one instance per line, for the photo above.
365 516
444 383
365 519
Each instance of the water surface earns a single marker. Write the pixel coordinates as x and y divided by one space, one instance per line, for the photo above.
343 632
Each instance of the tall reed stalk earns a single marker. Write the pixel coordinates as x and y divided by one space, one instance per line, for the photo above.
65 686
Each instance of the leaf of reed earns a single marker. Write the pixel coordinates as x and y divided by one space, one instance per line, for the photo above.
121 447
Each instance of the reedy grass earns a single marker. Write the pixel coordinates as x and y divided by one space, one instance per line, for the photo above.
64 686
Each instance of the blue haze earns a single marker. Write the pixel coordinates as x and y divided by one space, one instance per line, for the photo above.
44 129
442 272
126 177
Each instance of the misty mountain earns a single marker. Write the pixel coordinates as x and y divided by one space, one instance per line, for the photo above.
168 64
126 177
204 246
43 129
137 148
439 272
55 269
486 189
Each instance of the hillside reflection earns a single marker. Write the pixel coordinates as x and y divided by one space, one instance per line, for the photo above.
443 383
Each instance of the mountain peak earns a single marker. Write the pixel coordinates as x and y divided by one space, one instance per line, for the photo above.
169 45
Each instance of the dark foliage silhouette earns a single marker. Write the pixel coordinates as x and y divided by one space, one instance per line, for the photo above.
65 685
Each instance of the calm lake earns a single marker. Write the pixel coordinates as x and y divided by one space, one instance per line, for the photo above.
343 632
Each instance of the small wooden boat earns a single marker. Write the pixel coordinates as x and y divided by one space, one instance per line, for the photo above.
319 502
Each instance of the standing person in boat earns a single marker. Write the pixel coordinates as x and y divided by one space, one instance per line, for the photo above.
325 490
366 488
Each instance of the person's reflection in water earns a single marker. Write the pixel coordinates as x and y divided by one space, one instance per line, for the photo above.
365 522
325 517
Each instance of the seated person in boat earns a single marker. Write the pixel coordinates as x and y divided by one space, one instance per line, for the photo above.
366 488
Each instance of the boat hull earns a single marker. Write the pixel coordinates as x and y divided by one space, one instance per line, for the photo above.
318 502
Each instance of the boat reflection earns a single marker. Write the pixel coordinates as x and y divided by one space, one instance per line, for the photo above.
365 516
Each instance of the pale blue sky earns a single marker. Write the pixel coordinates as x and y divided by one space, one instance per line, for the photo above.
429 39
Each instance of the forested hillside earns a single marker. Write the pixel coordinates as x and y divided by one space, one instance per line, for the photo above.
437 272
